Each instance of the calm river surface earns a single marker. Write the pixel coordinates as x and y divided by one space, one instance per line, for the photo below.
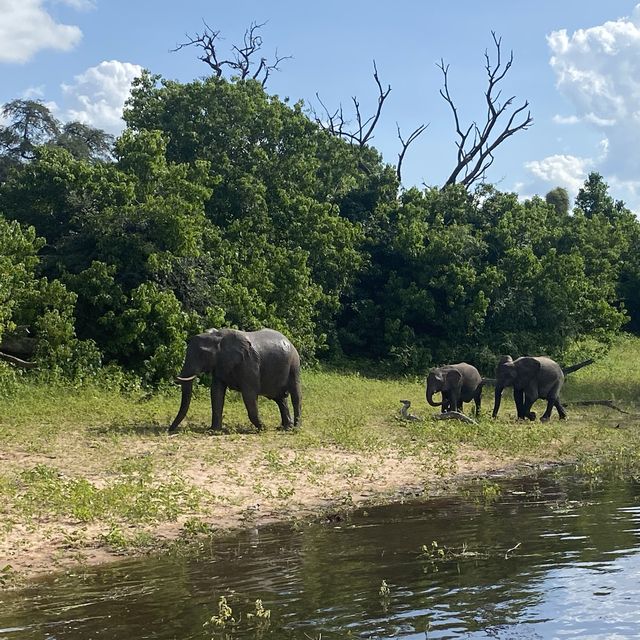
574 574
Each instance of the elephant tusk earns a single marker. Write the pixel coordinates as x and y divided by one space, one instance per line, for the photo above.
185 379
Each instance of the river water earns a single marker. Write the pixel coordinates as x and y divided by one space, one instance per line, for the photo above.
550 556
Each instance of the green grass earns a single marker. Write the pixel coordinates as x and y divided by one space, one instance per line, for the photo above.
90 456
132 497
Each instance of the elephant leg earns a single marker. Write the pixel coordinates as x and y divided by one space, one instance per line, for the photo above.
296 397
478 400
518 398
547 412
526 408
561 412
251 403
218 391
285 415
446 402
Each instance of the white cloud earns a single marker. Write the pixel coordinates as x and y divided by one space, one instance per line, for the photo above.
26 28
97 95
81 5
598 121
561 170
33 92
598 70
558 119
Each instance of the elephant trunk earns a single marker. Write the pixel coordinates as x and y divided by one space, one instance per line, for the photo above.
187 390
430 392
498 399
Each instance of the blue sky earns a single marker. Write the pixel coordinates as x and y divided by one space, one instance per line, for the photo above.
576 62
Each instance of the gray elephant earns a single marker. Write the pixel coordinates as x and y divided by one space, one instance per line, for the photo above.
256 363
531 378
458 383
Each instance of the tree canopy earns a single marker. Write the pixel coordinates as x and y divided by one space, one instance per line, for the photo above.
222 205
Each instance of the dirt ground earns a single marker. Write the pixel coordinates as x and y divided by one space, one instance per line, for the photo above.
242 485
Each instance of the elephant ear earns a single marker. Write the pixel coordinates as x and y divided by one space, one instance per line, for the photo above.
452 379
528 369
235 348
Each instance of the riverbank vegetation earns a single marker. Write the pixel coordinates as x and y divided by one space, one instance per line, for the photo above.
89 472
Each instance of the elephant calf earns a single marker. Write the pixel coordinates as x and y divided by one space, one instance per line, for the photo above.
256 363
458 383
531 378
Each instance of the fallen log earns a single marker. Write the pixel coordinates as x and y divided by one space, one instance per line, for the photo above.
454 415
600 403
17 361
404 412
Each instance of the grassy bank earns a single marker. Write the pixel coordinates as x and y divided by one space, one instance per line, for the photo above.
87 474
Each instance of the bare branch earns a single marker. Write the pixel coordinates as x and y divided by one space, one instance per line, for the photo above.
364 129
18 362
207 42
244 62
268 68
476 153
382 96
332 123
405 145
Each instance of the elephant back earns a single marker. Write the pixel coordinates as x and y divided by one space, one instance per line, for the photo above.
278 360
551 376
469 373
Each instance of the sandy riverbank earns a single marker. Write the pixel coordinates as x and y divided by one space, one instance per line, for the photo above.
88 475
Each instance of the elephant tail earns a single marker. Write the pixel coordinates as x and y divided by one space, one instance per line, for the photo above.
575 367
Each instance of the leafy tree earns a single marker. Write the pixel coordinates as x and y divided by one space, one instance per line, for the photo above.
462 276
614 246
594 199
56 193
85 142
31 125
279 180
223 206
558 198
45 306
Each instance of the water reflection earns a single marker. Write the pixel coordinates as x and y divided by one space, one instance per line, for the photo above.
550 557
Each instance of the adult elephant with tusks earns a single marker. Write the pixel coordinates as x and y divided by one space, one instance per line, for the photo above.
255 363
457 383
531 378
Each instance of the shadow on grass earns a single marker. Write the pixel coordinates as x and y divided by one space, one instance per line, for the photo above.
158 430
148 429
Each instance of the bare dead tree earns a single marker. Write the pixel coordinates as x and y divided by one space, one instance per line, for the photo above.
243 62
476 143
335 123
362 130
405 145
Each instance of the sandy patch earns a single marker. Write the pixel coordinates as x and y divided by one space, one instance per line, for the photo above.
242 483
